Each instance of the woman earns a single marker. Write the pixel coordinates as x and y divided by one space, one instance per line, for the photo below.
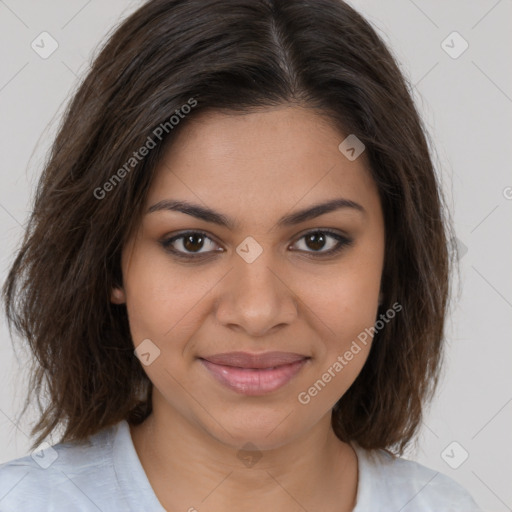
235 276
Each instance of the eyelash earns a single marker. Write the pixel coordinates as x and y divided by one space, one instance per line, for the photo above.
343 242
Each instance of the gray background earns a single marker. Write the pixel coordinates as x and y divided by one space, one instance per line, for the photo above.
466 103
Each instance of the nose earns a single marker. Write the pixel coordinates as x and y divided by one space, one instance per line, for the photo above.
256 297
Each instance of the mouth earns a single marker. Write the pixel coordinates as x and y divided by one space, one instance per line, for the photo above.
254 374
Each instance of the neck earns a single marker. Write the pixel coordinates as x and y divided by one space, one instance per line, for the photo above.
189 469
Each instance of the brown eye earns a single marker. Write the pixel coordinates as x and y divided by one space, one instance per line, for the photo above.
316 241
196 244
193 243
190 243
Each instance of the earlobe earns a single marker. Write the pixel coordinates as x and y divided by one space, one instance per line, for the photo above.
117 296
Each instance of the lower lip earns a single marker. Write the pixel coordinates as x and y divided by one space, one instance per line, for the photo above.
253 382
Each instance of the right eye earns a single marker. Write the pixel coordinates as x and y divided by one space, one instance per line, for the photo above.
189 244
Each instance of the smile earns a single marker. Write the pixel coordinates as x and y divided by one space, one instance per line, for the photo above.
254 381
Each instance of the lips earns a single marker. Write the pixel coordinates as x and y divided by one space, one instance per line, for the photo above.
254 374
255 361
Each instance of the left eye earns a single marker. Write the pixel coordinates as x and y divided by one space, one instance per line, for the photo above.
316 240
192 243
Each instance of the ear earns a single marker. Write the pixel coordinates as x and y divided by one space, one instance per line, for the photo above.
117 296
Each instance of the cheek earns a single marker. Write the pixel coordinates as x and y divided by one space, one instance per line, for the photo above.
345 299
345 304
347 309
160 301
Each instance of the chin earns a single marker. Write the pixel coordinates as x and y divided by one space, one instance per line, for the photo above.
266 430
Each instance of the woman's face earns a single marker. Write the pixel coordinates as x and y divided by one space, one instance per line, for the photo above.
260 275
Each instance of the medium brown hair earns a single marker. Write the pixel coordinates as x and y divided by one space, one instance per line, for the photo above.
230 56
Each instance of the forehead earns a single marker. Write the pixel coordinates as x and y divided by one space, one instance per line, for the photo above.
264 159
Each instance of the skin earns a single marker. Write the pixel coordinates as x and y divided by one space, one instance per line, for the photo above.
279 160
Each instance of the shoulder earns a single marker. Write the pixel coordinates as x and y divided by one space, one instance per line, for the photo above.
393 483
63 475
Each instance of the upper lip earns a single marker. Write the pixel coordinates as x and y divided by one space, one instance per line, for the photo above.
261 360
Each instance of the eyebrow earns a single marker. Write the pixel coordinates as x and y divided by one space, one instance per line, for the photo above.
292 219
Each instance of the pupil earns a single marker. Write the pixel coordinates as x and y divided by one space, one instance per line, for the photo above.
314 238
188 242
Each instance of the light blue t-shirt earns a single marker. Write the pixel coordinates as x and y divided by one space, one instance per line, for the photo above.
105 474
